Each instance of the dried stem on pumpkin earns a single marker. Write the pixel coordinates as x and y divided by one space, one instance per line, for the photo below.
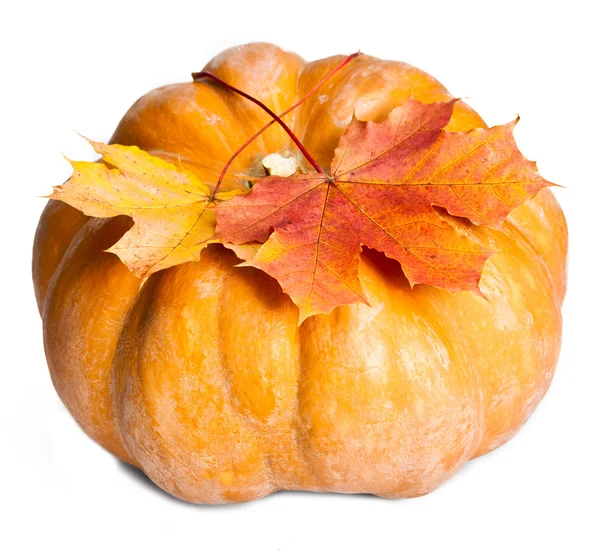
275 118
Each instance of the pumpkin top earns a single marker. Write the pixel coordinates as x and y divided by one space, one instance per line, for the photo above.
202 124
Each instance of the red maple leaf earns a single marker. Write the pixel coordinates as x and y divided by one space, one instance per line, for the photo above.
385 183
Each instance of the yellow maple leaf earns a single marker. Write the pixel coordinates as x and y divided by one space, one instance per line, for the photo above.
173 210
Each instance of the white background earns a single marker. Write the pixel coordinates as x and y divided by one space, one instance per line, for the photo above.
80 65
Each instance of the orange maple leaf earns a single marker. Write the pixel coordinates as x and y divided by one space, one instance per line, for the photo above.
386 179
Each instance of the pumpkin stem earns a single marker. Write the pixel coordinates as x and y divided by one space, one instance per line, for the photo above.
275 118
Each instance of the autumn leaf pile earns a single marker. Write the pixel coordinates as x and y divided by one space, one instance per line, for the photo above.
394 186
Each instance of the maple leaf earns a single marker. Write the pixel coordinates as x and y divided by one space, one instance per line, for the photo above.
172 209
386 180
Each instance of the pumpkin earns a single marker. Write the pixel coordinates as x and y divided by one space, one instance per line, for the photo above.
202 377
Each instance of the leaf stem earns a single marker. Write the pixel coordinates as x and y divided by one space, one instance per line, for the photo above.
275 118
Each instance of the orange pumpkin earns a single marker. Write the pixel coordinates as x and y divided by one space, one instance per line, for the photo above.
202 377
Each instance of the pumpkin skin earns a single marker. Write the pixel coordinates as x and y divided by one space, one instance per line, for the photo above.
203 378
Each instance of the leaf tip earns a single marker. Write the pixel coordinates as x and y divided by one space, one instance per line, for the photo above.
112 250
88 140
479 292
302 317
142 272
